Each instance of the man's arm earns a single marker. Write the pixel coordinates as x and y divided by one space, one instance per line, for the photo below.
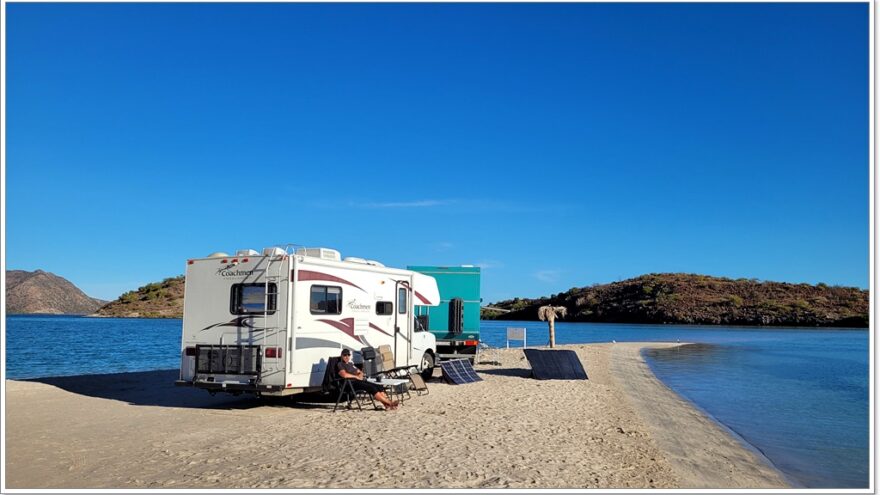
345 374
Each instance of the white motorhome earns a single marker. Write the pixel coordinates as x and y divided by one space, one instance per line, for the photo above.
267 323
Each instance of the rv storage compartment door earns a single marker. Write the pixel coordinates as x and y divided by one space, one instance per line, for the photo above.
228 359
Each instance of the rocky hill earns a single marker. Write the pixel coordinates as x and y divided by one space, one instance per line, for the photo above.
156 300
42 292
701 299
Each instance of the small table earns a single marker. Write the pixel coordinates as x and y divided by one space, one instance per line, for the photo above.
390 385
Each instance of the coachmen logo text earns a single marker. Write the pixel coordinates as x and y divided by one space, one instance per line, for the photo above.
235 273
356 306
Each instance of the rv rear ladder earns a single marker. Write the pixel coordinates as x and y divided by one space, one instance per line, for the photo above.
275 278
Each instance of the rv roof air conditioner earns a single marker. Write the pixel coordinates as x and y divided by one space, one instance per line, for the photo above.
218 254
246 252
273 251
323 253
374 263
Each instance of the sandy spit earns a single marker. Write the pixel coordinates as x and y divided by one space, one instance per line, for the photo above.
622 428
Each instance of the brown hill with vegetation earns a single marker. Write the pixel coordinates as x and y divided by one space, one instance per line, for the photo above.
701 299
40 292
156 300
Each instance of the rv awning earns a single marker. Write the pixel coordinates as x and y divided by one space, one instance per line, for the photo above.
425 291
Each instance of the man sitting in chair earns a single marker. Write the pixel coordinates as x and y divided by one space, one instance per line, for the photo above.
350 371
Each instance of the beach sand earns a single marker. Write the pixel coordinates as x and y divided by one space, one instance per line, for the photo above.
622 428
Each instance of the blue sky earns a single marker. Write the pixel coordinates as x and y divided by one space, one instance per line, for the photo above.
554 145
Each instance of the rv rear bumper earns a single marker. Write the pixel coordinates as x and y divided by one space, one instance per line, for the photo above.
229 386
456 349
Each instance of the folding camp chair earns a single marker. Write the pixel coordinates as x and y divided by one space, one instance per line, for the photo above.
343 387
418 384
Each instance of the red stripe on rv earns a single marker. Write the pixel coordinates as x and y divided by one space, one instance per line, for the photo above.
310 275
422 298
346 325
379 329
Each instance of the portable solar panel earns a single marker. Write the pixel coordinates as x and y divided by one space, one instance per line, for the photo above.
459 371
555 365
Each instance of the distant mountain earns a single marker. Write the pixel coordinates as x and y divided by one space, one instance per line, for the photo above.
700 299
156 300
45 293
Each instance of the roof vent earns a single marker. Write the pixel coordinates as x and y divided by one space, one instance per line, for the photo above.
273 251
246 252
218 254
323 253
352 259
374 263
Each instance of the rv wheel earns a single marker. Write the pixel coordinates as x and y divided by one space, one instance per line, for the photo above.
427 366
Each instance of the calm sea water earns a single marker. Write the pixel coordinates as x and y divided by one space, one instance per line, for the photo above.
40 346
800 395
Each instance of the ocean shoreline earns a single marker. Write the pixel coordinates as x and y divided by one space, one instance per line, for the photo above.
755 450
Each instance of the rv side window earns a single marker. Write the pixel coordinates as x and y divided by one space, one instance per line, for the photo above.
384 308
401 301
325 300
251 298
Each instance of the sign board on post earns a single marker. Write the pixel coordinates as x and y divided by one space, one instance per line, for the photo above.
516 334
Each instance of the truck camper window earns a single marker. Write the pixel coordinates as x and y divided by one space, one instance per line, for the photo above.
325 300
251 298
401 301
384 308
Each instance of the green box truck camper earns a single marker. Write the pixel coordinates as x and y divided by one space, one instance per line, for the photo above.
456 321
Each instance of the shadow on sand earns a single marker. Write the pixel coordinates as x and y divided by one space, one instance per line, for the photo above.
516 372
156 388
